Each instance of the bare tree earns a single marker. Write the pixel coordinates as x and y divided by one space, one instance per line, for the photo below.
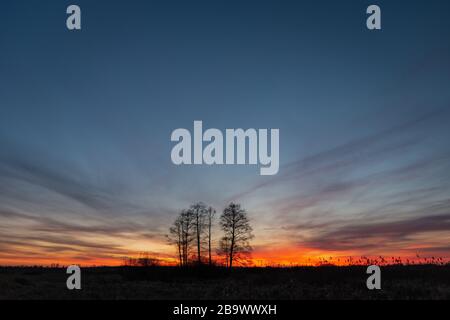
176 237
181 235
198 212
235 244
187 232
209 220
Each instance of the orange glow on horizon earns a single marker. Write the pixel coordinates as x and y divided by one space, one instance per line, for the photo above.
274 257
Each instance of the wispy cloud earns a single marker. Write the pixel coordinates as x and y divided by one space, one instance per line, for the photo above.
382 237
373 194
38 170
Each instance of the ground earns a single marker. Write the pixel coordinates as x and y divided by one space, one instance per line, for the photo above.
161 283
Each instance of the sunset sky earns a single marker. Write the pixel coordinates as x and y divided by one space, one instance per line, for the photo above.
86 117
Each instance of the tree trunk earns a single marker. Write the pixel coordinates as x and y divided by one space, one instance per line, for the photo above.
198 236
209 238
232 247
180 243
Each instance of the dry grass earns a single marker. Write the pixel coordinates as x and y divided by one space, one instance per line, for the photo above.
326 282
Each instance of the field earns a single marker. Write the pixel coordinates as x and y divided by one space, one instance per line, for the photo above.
170 283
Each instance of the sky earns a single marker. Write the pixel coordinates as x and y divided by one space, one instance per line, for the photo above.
86 118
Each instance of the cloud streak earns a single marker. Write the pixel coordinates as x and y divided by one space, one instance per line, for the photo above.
371 195
367 236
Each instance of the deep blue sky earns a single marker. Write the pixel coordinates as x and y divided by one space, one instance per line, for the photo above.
86 118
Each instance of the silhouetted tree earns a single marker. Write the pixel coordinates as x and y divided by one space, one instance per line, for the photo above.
187 232
198 212
209 220
144 260
235 244
176 237
181 234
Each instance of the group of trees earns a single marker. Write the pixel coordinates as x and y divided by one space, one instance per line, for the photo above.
192 235
143 260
